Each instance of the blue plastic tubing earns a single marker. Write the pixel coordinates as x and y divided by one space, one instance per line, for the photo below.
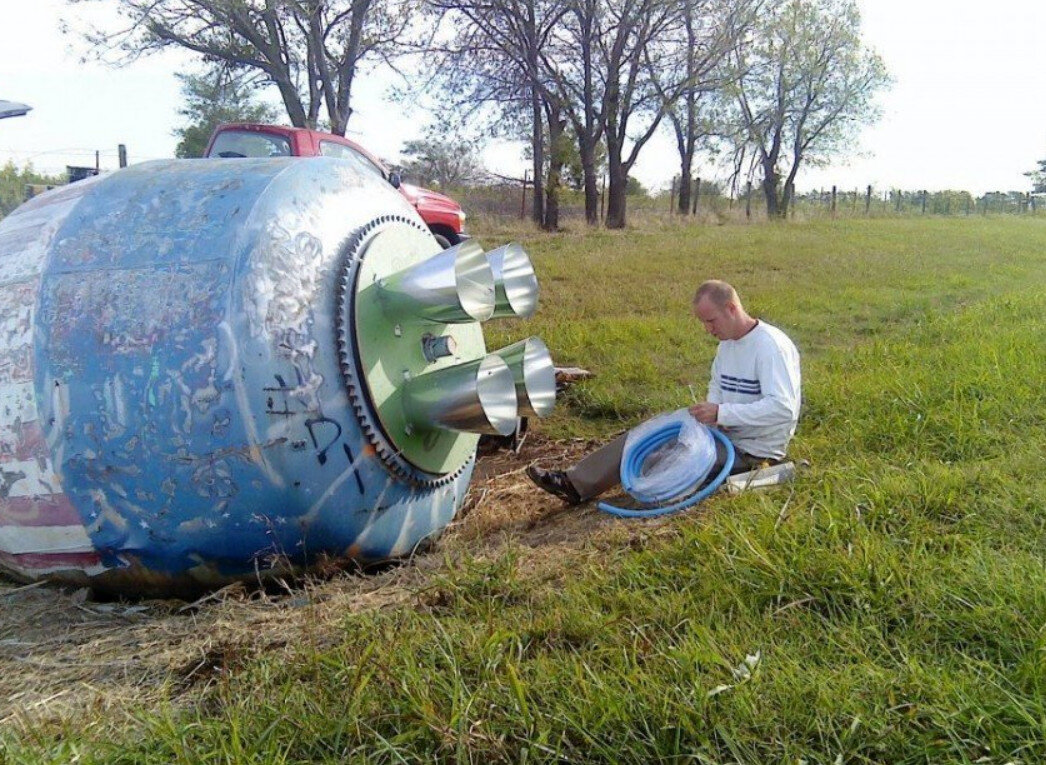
633 463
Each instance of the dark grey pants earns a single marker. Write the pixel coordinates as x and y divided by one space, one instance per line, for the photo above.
600 471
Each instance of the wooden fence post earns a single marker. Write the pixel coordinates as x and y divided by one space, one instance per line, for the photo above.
868 200
748 200
833 201
924 202
697 193
122 151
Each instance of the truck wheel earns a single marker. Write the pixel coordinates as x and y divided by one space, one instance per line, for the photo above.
443 241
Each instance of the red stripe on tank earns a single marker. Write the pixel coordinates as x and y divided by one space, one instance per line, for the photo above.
41 510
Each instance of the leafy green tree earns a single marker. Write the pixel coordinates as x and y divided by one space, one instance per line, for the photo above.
1038 177
444 160
13 183
803 83
210 100
634 188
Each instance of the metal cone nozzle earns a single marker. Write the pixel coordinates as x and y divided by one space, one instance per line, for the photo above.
455 286
533 374
515 282
474 397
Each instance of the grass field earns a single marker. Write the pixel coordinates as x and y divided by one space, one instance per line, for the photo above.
889 606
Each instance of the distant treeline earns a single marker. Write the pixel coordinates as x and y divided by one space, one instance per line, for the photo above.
18 185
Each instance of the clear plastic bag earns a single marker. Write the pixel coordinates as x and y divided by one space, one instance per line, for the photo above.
667 457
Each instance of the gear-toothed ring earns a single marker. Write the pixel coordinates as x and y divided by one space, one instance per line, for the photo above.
354 251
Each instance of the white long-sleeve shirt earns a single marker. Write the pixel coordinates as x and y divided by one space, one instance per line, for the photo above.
756 382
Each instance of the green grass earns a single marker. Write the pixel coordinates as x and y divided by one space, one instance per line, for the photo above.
618 303
895 594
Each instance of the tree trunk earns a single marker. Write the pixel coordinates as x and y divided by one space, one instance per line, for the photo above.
788 195
292 102
537 140
588 169
616 196
556 127
770 181
552 199
685 182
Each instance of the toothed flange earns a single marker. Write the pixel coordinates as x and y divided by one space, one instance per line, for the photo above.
363 259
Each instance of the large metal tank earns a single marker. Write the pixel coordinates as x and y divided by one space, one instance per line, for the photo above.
211 369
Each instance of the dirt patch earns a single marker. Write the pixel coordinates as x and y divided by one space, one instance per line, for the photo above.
62 654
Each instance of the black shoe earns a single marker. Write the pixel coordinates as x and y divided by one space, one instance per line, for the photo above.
555 482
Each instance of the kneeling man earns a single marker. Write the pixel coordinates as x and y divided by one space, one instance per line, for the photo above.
753 398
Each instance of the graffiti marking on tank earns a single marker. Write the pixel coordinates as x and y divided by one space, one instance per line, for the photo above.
113 404
375 517
221 422
244 452
312 425
284 400
196 396
212 478
352 461
244 405
283 391
311 513
103 512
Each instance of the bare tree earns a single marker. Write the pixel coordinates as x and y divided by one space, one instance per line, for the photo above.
494 58
603 67
311 50
637 26
804 84
573 67
695 58
580 63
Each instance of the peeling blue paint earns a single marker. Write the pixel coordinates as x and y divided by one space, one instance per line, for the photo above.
185 378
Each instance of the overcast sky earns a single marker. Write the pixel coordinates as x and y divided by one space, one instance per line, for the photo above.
967 109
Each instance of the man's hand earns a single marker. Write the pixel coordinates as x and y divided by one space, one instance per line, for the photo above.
706 413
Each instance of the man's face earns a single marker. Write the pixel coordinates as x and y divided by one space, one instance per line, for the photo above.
717 320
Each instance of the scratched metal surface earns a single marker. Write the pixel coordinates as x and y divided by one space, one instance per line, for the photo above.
171 408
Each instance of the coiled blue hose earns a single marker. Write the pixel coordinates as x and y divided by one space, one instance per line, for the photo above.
632 463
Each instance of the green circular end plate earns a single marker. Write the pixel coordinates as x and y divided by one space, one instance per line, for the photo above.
390 349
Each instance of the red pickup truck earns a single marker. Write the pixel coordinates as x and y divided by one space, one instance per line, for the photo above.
441 214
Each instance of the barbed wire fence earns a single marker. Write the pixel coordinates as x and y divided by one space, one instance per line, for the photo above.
875 202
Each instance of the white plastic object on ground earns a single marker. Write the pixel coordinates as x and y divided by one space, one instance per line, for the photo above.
672 469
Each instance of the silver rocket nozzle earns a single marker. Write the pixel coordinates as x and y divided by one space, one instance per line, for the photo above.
454 286
533 374
474 397
515 282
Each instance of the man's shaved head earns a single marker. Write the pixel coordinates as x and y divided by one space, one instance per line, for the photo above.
717 292
719 308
